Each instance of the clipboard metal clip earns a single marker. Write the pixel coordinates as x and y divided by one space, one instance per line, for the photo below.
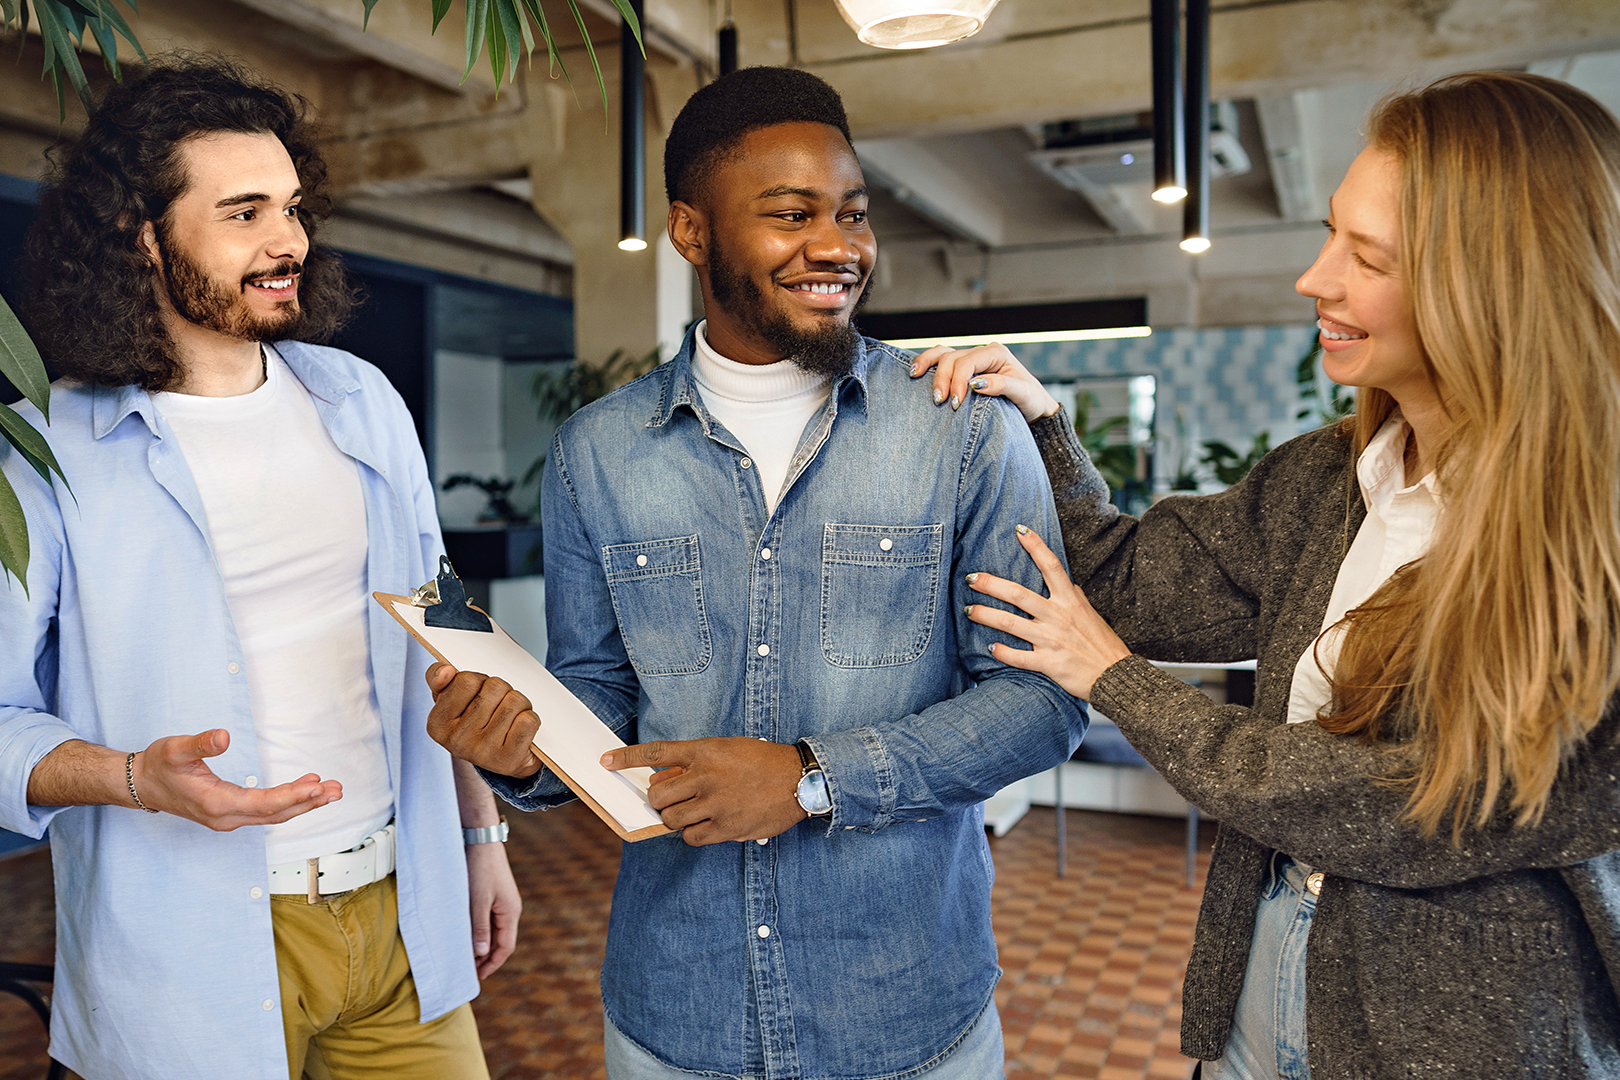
446 604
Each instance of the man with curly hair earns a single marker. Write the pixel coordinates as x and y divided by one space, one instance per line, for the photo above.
260 861
757 561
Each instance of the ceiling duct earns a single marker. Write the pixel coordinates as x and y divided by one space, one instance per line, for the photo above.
1109 160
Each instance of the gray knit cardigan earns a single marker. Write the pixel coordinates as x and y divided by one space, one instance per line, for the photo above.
1498 957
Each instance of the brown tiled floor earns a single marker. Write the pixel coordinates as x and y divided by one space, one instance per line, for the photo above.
1093 961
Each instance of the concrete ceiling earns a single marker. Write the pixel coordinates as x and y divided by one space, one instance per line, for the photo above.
964 214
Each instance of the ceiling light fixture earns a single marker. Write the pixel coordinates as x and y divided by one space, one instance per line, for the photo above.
914 24
1195 213
1035 337
1169 164
632 137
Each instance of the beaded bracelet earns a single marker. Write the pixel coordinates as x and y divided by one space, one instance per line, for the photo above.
129 778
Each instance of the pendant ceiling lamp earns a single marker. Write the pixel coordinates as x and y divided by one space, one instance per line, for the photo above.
914 24
1195 212
632 138
1169 127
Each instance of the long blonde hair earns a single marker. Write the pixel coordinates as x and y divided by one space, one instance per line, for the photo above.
1489 660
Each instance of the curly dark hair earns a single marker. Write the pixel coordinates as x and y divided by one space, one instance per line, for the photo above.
715 119
92 304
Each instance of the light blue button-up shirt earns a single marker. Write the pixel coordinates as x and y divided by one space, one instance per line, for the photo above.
678 607
165 962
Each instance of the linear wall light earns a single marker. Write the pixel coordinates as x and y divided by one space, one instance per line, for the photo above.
632 137
1195 214
1033 338
1169 124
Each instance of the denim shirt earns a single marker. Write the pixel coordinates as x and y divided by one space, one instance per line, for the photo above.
165 957
855 946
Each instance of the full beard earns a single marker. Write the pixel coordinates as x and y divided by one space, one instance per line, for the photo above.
205 301
829 349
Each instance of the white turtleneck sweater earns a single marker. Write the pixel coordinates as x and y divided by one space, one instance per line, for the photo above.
765 405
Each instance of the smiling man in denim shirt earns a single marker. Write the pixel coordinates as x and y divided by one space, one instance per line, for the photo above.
756 562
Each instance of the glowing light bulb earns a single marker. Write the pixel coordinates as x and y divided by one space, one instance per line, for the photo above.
1170 194
1197 245
632 243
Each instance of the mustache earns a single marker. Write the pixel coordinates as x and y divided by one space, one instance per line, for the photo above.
289 268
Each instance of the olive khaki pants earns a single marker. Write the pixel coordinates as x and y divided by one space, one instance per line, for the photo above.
348 1001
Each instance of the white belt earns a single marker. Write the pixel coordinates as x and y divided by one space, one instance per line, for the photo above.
372 861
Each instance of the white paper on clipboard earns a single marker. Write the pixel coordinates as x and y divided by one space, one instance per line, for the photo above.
571 736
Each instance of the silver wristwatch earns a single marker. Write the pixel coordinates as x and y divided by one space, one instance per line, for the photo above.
489 834
812 793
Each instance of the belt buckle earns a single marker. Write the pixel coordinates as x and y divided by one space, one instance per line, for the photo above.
312 878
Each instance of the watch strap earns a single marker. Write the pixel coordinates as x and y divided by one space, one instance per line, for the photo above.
807 756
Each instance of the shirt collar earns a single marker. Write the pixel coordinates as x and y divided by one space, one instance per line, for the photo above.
1381 469
113 403
680 386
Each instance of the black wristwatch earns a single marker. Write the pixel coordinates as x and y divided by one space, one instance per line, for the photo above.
812 793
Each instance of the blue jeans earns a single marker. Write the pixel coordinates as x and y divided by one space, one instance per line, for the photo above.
1267 1041
979 1056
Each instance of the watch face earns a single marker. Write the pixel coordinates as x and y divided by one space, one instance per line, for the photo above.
813 796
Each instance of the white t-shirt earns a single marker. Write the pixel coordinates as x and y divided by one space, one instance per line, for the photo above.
288 526
765 405
1400 522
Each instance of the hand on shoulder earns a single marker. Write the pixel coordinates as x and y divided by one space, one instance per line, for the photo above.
991 370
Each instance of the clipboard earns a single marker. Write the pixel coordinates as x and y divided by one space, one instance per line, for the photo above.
571 739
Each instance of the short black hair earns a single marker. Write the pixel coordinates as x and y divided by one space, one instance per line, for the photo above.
92 306
715 119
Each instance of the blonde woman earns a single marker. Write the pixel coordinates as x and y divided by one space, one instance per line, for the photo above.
1416 873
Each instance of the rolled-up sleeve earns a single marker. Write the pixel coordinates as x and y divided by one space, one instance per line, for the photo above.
28 729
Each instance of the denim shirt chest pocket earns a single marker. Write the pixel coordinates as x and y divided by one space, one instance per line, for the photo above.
879 591
657 590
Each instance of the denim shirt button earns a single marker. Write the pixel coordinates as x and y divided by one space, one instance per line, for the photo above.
641 560
765 554
1314 883
885 543
747 462
762 841
764 650
764 931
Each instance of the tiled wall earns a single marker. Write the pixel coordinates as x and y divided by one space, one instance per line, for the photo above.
1229 383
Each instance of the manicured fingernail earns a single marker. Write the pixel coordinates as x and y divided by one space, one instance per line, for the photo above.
971 578
968 610
916 370
1022 529
956 402
980 383
939 395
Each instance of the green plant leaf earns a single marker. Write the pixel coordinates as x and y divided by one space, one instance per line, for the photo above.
31 445
514 28
109 12
590 50
20 362
477 15
8 12
13 535
440 8
61 54
554 58
629 13
365 21
503 35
